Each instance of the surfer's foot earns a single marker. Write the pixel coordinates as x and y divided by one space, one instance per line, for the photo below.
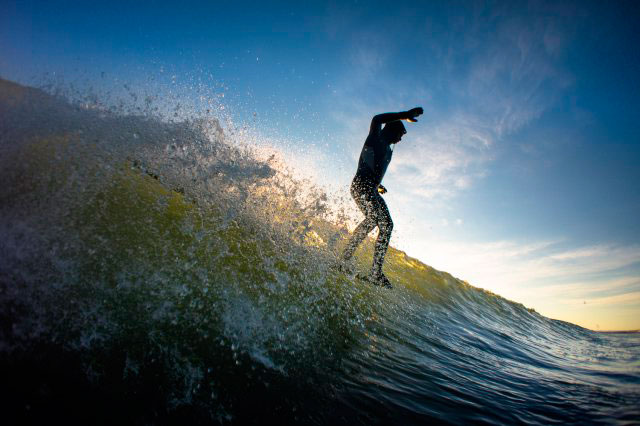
381 280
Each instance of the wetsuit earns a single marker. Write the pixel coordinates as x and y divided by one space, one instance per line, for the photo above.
373 163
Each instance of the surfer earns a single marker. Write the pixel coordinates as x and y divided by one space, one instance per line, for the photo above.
366 187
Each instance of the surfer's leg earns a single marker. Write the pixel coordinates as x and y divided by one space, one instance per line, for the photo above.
385 226
359 234
363 198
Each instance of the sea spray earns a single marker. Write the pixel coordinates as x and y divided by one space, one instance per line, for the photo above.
145 244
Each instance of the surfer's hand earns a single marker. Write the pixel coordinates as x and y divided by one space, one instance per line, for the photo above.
413 113
382 189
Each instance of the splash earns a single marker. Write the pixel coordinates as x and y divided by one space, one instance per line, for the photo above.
160 240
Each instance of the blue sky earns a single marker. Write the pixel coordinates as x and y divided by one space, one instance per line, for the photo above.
522 175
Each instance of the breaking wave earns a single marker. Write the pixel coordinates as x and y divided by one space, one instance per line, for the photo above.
156 270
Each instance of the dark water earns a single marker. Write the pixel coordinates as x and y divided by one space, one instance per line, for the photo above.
156 272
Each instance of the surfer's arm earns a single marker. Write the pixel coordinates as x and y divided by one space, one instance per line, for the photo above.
388 117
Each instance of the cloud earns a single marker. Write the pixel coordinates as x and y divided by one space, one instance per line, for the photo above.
595 259
443 159
617 301
599 288
516 79
366 61
504 80
498 75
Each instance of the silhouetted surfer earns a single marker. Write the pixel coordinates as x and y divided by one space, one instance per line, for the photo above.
366 188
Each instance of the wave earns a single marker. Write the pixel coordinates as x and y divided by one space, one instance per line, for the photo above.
161 271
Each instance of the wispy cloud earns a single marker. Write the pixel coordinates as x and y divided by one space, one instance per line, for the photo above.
443 159
616 301
600 288
517 77
366 60
502 75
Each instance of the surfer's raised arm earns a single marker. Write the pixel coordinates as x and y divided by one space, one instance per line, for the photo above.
388 117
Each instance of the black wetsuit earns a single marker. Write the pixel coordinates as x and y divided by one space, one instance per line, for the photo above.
373 163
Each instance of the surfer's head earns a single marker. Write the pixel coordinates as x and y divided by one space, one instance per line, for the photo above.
393 132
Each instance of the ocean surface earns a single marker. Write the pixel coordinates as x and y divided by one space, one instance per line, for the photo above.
154 270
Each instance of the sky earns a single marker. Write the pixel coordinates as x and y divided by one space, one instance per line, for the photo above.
522 176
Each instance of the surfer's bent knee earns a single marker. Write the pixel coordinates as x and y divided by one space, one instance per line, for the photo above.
386 225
